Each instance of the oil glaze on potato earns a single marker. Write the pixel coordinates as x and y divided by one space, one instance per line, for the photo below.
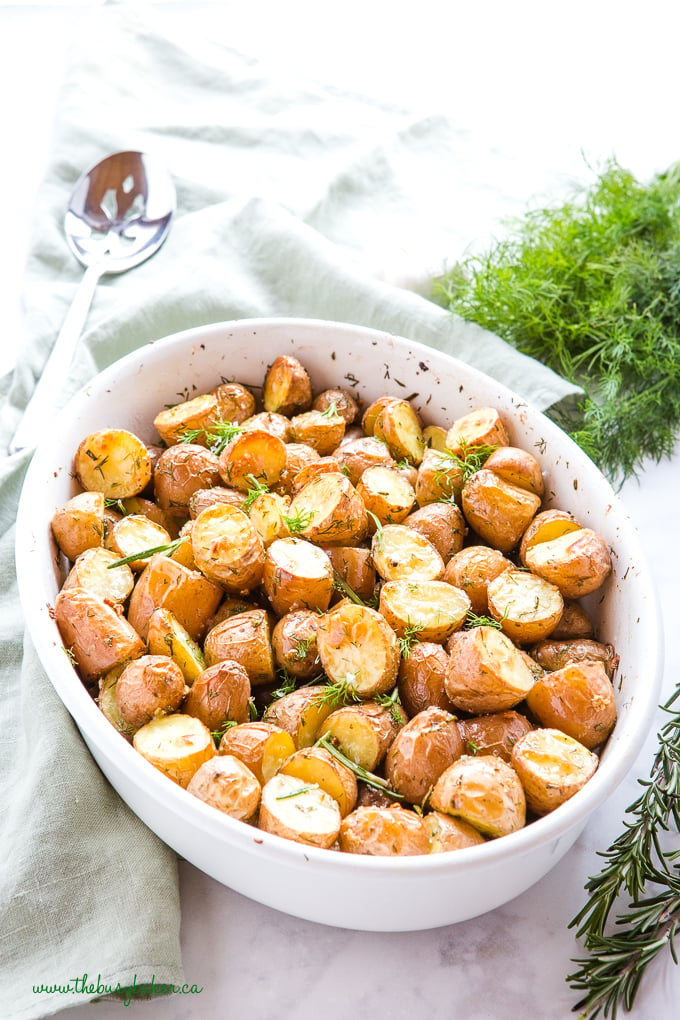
552 767
114 462
402 554
422 749
299 811
448 833
363 732
294 643
493 733
486 672
317 765
219 694
578 563
245 638
527 607
96 569
287 387
430 609
498 511
577 699
227 784
483 791
553 654
384 832
96 634
297 575
176 745
181 471
79 524
149 686
442 524
262 746
422 675
166 584
228 549
357 647
472 569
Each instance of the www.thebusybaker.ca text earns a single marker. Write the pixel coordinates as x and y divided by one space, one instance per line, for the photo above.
84 986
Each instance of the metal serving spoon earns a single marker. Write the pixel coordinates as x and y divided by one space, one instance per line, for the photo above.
118 216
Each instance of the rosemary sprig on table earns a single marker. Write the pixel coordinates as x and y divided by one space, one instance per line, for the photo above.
611 974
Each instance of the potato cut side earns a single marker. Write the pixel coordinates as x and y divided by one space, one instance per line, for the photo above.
359 649
427 610
486 672
297 575
400 553
483 791
448 833
435 437
134 534
262 746
578 562
552 767
527 607
519 467
442 524
363 732
166 584
167 636
106 699
384 832
441 476
322 430
176 745
398 425
577 699
79 524
228 548
267 512
245 638
114 462
386 494
328 511
471 569
190 416
371 413
497 510
300 811
300 713
227 784
96 635
287 387
481 427
317 766
546 525
252 456
94 569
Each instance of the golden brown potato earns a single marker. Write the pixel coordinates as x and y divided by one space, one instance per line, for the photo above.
497 510
577 699
371 413
300 811
546 525
316 765
486 672
482 427
359 454
176 745
316 467
441 477
495 733
94 569
246 638
442 524
262 746
552 654
483 791
472 569
203 498
227 784
167 636
363 732
268 421
552 767
384 832
341 400
359 649
252 457
422 749
574 623
428 610
322 430
268 512
228 549
136 533
300 713
402 554
166 584
519 467
578 562
299 456
114 462
386 494
235 402
94 632
220 694
527 607
180 472
435 437
294 644
79 524
184 551
287 387
149 686
353 565
297 575
106 699
328 511
196 415
421 678
149 508
448 833
398 425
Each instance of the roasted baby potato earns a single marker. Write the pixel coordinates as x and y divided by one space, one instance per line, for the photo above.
181 471
363 732
577 699
386 494
399 427
245 638
328 511
294 643
552 654
359 649
148 687
287 387
442 524
252 457
322 430
482 427
300 811
545 526
316 765
236 403
578 563
402 554
95 570
301 713
227 784
297 575
422 673
441 477
494 733
527 607
422 749
268 512
449 833
220 694
95 633
228 549
262 746
483 791
552 767
359 454
176 745
114 462
384 832
486 672
341 400
353 566
193 417
430 610
133 534
166 584
498 511
79 524
167 636
472 569
519 467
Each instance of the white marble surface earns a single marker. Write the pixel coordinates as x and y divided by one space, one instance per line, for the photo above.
546 89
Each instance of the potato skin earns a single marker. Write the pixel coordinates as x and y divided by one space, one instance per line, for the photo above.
442 524
180 472
485 792
316 764
421 678
384 832
421 751
219 694
472 569
552 767
494 733
97 635
553 654
262 746
245 638
486 672
149 686
449 833
166 584
79 524
297 575
294 643
497 510
577 699
578 563
227 784
527 607
299 811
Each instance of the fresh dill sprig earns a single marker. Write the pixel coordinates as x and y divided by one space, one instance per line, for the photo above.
611 973
409 638
341 585
337 693
287 686
298 521
217 435
221 730
474 620
392 703
471 459
257 488
377 782
591 288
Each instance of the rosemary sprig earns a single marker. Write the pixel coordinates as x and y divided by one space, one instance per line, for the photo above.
377 782
145 554
611 973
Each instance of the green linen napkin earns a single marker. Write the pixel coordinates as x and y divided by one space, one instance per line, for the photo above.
283 187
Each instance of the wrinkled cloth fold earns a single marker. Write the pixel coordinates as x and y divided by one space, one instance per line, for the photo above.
293 199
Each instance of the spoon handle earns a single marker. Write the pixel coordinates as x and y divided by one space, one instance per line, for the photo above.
47 395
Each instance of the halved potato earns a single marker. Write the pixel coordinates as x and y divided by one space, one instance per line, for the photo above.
299 456
316 765
228 549
435 437
176 745
578 562
148 687
422 749
262 746
448 833
498 511
300 713
106 699
440 477
517 466
371 413
546 525
203 498
136 533
271 422
364 452
553 654
194 415
358 648
483 791
297 575
79 524
328 511
95 633
227 784
287 387
398 425
577 699
493 733
472 569
527 607
321 430
246 638
268 512
166 584
431 610
294 643
341 400
386 494
486 672
300 811
167 636
113 461
400 553
220 694
363 732
354 566
252 456
94 569
384 832
481 427
315 467
552 767
442 524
